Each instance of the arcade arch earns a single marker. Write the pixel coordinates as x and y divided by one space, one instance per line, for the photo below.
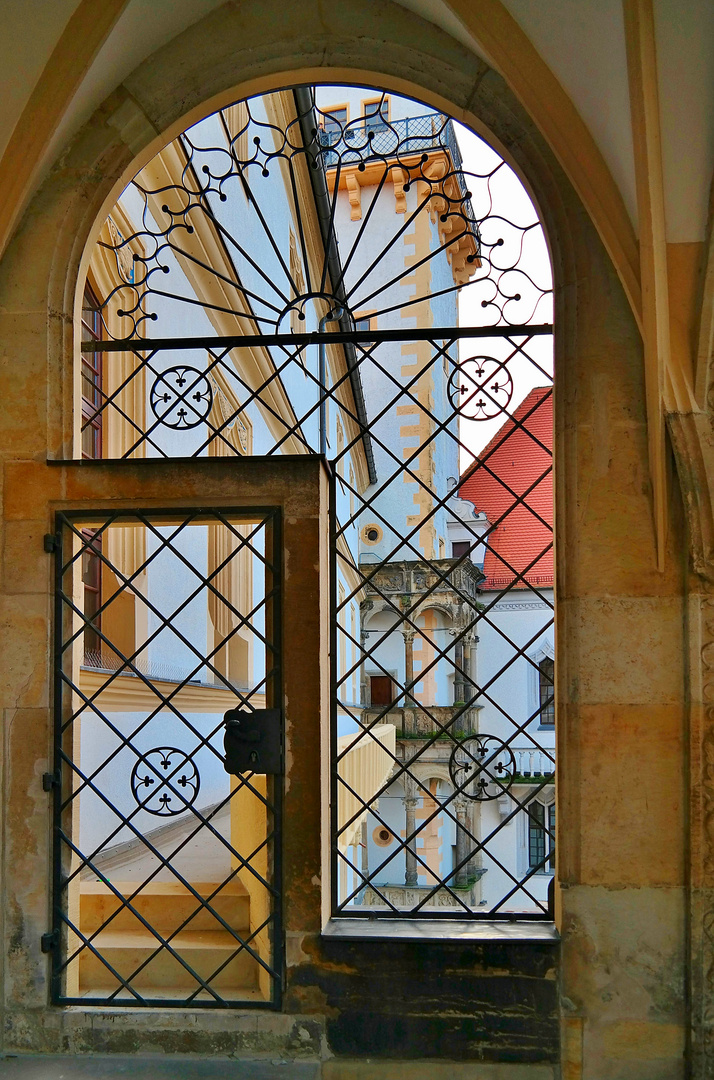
589 325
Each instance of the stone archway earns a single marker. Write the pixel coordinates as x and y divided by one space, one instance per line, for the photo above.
601 454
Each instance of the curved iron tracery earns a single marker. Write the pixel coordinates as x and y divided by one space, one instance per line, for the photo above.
181 772
419 153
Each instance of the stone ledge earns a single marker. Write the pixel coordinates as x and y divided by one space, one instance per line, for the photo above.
457 930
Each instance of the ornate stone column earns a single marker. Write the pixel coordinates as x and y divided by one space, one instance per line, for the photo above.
463 841
459 683
408 636
364 688
410 801
364 843
365 607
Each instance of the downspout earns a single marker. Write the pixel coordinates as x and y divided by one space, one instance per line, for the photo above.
332 316
305 106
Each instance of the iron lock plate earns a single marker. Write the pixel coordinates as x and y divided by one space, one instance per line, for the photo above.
252 741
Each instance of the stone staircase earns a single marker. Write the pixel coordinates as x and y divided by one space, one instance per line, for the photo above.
204 944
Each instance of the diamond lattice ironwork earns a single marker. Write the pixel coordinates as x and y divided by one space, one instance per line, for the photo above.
313 264
185 912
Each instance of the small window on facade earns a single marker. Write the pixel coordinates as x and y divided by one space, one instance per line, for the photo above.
459 548
92 581
363 322
335 121
546 670
376 114
91 378
541 843
380 690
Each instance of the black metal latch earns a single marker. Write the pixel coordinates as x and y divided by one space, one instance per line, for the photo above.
252 741
49 941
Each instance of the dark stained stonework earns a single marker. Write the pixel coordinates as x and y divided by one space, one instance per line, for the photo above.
490 1002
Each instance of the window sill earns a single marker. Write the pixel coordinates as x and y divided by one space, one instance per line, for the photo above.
457 930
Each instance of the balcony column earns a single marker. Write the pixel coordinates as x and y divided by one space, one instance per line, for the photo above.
464 844
469 658
409 702
408 636
363 687
466 653
364 840
459 683
474 818
410 801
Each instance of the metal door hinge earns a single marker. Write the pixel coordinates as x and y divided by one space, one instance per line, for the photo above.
50 780
49 941
51 542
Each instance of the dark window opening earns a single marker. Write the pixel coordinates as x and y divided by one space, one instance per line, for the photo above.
91 378
546 672
334 121
375 115
540 841
459 548
92 581
381 690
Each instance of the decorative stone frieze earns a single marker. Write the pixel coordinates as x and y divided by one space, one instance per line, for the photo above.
408 896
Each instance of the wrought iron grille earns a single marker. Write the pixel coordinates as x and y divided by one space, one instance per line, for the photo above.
444 760
278 281
167 869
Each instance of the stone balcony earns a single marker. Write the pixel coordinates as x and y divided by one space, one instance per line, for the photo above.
416 723
448 583
407 897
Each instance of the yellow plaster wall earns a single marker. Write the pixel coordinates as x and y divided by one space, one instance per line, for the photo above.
419 361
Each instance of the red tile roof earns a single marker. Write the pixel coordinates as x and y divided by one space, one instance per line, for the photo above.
519 458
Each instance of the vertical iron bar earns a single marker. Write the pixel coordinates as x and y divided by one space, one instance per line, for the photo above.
57 768
277 962
334 699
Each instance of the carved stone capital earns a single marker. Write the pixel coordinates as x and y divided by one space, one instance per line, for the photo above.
692 437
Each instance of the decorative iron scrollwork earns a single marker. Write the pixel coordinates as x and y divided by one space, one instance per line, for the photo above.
480 388
181 397
482 767
181 772
299 305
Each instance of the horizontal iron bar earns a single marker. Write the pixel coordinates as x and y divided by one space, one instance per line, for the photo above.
176 1002
358 912
338 337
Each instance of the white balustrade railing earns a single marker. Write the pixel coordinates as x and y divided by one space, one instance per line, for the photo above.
532 762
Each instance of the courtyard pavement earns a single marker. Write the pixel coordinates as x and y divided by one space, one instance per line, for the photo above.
97 1067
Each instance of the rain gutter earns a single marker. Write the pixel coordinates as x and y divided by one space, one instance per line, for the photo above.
305 105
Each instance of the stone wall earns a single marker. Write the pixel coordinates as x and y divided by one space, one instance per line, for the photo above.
622 633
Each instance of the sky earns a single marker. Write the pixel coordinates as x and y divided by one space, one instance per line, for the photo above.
496 189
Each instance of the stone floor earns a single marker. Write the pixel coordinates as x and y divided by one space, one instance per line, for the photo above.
51 1067
98 1067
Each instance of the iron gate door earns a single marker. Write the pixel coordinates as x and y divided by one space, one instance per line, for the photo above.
167 867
